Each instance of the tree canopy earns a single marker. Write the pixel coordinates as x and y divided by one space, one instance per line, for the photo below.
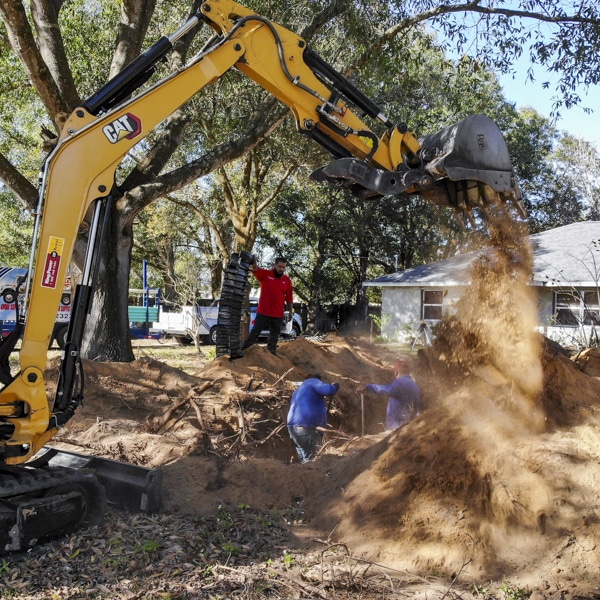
55 53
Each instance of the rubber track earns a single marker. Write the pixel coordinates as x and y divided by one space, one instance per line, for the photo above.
16 481
20 483
231 305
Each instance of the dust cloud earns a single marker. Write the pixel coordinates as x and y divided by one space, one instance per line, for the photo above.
481 483
492 330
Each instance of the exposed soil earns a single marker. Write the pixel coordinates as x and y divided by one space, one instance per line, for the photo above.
465 489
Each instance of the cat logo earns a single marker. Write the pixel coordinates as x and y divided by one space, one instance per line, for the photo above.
127 126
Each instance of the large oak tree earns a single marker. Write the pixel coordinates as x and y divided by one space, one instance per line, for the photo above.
56 75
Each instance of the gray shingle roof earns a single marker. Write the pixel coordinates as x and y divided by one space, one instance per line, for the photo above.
565 256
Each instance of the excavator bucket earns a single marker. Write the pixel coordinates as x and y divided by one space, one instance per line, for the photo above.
130 487
464 166
470 164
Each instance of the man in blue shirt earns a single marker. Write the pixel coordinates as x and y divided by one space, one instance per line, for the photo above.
308 410
404 395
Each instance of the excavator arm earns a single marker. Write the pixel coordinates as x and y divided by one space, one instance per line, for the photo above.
464 166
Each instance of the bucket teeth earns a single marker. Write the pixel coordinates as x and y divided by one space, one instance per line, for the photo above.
485 213
516 202
460 220
471 219
473 195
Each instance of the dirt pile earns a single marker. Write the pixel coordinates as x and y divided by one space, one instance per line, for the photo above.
463 488
467 488
499 477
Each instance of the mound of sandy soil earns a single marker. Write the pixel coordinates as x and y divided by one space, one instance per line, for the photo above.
465 488
496 479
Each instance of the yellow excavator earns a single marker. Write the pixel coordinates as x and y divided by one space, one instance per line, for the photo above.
463 166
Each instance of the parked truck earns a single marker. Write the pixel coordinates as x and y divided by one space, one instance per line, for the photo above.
201 322
144 311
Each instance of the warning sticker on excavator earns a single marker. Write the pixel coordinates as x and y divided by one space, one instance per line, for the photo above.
53 258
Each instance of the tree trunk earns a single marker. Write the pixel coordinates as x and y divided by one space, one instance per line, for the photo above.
362 302
314 303
107 336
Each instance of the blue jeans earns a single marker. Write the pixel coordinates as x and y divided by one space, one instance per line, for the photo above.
262 322
306 440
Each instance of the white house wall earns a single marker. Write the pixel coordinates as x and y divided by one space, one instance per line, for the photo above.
401 314
545 305
401 310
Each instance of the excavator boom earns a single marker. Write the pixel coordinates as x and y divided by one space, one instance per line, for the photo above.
463 166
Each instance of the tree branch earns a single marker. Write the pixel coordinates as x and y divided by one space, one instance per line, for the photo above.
154 161
331 11
135 18
18 185
23 44
52 49
467 7
260 127
277 189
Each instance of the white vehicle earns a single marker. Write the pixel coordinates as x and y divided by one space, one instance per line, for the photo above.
188 324
290 329
201 322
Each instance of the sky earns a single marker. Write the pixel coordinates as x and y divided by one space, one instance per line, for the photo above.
574 120
524 93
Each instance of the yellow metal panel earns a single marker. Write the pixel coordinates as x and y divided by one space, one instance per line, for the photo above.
80 170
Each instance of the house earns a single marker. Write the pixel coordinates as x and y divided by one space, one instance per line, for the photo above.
566 276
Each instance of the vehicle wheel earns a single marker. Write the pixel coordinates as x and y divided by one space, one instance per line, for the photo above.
212 336
9 296
296 329
61 337
183 340
65 299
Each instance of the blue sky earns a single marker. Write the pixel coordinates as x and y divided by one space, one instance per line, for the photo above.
524 93
574 120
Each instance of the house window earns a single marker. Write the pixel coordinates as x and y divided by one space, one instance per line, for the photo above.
591 308
431 304
577 308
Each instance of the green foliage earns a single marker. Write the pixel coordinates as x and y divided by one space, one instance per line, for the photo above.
4 567
230 548
150 546
288 559
89 49
577 163
333 240
15 233
513 592
553 36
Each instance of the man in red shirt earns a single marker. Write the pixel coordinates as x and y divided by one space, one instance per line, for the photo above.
276 295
